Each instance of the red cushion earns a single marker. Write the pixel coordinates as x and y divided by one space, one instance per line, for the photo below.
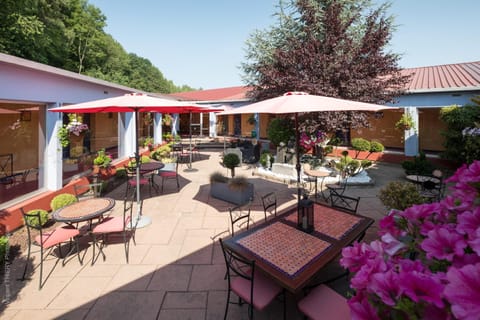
59 235
264 290
168 174
111 224
324 303
133 182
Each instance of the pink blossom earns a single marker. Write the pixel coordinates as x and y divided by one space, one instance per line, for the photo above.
442 243
475 242
468 222
420 211
392 244
459 202
385 286
363 277
362 309
389 224
354 257
457 176
463 291
421 287
407 265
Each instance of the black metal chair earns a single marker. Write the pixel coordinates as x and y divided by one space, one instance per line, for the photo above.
249 285
169 172
269 202
239 214
86 191
344 202
48 240
124 225
339 187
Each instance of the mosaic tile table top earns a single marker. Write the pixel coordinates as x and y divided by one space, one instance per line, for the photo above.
284 247
330 222
83 210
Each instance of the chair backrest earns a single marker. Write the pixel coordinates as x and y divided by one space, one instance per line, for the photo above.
91 190
33 221
344 202
238 266
269 202
128 202
239 213
130 170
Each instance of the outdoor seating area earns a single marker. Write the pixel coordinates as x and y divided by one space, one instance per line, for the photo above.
174 267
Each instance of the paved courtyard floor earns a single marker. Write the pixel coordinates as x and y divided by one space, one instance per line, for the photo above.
176 269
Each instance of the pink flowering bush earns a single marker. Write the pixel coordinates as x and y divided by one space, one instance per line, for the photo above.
426 264
309 141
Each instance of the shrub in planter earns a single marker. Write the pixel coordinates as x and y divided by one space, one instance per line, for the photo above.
62 200
236 190
33 221
400 195
419 165
218 177
360 144
376 146
265 157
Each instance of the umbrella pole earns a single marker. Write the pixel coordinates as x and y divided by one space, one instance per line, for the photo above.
141 220
297 166
189 167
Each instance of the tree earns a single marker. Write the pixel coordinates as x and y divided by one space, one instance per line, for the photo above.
335 48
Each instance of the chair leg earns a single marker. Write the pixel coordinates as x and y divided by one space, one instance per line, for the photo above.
228 302
26 262
41 268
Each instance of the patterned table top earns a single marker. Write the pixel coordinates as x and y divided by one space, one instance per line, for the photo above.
284 247
330 221
84 210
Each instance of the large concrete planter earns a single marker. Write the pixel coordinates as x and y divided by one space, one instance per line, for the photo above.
223 191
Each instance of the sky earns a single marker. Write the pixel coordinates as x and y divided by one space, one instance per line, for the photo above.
201 43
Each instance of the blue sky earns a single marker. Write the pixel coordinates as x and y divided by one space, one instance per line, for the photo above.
201 43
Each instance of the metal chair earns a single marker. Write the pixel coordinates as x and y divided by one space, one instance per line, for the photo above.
339 187
344 202
269 202
86 191
324 303
124 225
48 240
170 173
238 214
249 285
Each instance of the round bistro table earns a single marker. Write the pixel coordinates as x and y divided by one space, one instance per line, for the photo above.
83 210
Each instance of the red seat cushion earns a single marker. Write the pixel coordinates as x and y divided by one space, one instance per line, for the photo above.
111 224
168 174
264 290
324 303
133 182
59 235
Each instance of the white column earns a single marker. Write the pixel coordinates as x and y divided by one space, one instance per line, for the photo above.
157 128
126 134
51 169
212 120
257 124
411 135
175 124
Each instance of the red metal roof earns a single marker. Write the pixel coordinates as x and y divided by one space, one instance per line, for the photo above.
220 94
449 76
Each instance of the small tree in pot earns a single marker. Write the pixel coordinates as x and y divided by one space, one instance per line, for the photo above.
230 161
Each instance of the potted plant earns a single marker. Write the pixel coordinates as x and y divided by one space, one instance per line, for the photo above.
167 119
251 120
237 190
102 164
405 123
62 200
148 143
400 195
73 130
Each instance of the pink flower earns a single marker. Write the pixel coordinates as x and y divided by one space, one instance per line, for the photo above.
385 286
354 257
468 222
463 291
442 244
362 309
421 211
389 224
392 244
421 287
363 277
475 243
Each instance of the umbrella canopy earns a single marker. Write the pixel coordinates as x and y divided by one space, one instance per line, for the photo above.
301 102
8 111
292 102
135 102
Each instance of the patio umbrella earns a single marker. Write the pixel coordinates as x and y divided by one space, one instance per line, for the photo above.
301 102
134 102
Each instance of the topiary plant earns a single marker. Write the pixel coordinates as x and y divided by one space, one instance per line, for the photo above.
376 146
62 200
33 221
360 144
265 159
231 160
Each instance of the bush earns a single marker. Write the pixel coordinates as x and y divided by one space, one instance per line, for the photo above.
419 165
400 195
360 144
238 183
62 200
143 159
3 248
231 160
264 157
161 152
280 130
376 146
33 221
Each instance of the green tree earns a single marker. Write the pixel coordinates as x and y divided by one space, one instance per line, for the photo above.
460 147
335 48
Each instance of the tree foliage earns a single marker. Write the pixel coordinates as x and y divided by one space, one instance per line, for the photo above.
335 48
459 147
69 34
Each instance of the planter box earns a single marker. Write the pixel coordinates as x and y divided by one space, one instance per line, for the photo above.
223 192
